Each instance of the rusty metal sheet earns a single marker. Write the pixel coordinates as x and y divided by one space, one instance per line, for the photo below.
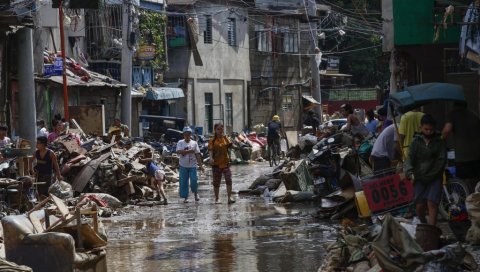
87 172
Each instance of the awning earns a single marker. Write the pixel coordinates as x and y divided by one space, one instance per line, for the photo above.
310 99
163 93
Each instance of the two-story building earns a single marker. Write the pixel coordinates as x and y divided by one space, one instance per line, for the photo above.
208 53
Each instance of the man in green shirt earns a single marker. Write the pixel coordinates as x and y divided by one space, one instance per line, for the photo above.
425 166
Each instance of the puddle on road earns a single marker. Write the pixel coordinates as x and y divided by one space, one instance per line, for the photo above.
245 236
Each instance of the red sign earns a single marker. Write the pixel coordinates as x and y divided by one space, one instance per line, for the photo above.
388 193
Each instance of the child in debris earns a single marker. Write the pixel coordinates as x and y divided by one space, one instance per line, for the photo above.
189 159
156 172
46 163
218 149
424 167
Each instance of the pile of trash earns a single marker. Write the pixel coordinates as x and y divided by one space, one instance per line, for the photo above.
395 245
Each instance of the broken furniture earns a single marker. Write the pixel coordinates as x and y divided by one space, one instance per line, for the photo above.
47 243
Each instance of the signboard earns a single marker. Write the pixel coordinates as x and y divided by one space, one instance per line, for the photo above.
388 193
55 69
333 63
146 52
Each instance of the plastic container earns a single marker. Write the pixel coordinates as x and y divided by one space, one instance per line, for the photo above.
428 236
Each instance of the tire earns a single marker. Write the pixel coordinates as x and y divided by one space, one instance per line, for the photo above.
458 191
270 155
276 156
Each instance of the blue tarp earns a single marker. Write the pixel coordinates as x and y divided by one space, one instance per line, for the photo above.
418 95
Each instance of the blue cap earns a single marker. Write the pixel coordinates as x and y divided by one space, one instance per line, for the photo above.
187 129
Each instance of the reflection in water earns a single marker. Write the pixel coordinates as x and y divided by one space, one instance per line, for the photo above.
224 251
246 236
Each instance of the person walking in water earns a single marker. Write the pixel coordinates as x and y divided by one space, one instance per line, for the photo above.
46 164
189 159
218 149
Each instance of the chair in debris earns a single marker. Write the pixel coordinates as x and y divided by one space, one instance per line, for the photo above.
31 240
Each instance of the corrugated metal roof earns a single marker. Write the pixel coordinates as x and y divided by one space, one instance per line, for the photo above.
97 80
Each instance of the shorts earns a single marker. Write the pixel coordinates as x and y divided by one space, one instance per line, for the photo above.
43 188
217 176
159 175
428 191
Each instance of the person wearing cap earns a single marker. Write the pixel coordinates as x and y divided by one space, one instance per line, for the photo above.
156 172
274 131
189 159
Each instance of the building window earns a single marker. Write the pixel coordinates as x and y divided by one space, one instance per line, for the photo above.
207 34
287 102
177 31
290 42
232 32
229 109
209 111
263 38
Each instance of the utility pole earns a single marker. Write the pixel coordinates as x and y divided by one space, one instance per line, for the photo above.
314 62
64 63
26 88
126 75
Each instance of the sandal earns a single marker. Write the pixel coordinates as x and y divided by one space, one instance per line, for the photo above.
186 201
231 201
218 202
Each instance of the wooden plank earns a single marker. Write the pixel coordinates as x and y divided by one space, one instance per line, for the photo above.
60 205
87 172
82 133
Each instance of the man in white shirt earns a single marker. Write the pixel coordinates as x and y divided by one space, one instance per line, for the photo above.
41 129
189 159
384 149
4 140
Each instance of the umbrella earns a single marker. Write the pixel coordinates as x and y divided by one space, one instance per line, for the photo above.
415 96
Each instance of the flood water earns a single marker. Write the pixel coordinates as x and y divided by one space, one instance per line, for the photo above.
249 235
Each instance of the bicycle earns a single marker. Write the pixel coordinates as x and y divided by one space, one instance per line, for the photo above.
454 194
273 154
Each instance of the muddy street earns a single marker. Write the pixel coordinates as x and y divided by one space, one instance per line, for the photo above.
250 235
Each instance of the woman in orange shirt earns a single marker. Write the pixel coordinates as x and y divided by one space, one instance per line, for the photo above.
218 149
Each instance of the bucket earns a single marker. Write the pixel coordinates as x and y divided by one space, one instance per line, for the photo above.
428 236
362 205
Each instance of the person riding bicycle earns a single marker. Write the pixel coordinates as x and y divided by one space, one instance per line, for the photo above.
274 131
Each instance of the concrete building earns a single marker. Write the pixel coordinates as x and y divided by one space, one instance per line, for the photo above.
279 60
208 52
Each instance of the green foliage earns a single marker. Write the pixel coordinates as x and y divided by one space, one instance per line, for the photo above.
152 32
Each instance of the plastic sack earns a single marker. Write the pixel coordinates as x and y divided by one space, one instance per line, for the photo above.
283 145
61 189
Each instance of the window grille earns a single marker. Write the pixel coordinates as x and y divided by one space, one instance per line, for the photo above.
207 34
264 41
232 32
229 109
